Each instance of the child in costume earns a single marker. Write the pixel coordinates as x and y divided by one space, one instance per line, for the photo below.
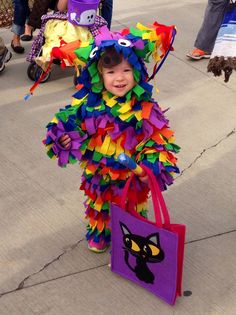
113 112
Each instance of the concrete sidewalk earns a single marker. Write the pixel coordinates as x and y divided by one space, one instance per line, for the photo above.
45 267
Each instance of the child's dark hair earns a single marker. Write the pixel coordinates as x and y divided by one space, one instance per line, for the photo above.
110 58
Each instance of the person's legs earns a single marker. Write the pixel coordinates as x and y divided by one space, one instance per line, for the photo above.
106 13
2 46
214 14
40 7
28 34
21 12
2 49
5 54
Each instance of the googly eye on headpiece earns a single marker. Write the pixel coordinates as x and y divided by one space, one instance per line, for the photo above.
124 42
93 52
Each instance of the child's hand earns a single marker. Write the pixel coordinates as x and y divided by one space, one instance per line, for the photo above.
133 166
143 177
65 141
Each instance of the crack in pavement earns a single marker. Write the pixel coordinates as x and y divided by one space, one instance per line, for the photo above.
209 237
100 266
204 151
22 283
53 279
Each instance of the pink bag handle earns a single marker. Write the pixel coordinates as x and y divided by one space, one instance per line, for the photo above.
159 197
159 206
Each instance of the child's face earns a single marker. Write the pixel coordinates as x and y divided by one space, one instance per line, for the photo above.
119 79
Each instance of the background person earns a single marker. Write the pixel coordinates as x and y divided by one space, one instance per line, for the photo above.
5 54
21 13
206 36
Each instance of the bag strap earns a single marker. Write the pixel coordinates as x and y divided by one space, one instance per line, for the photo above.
129 206
159 197
160 210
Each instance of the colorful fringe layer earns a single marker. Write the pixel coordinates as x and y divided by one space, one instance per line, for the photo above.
99 134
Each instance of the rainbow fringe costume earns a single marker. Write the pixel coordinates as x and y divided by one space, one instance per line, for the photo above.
101 126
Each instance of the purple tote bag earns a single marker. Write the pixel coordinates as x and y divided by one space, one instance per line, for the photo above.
148 253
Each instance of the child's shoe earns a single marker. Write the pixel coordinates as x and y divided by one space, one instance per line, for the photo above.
4 58
197 54
97 247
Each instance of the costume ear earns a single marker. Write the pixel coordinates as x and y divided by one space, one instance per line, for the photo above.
85 51
154 238
124 229
76 53
158 37
157 40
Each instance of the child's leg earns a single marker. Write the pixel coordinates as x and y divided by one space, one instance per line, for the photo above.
100 193
98 234
97 212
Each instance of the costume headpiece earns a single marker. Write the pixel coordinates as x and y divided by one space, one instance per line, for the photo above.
82 12
137 45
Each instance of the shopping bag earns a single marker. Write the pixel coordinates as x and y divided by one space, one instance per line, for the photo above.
148 253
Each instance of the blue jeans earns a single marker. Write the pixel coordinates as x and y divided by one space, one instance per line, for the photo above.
2 46
21 14
107 11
